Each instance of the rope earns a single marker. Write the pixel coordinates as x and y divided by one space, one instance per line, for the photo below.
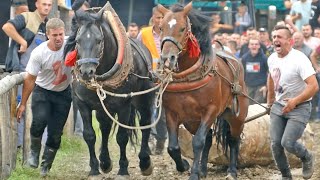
158 102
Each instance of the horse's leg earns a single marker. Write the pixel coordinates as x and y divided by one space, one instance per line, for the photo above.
205 154
105 127
234 143
144 156
90 137
173 146
122 140
198 143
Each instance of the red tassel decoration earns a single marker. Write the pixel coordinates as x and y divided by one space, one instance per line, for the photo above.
193 46
71 58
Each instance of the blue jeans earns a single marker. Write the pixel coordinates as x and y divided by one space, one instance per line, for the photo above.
285 130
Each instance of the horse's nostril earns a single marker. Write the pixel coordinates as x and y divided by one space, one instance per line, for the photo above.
80 71
172 58
91 72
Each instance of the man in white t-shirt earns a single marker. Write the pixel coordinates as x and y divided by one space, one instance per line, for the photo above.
291 85
49 80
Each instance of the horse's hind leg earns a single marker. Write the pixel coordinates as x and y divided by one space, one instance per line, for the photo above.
105 127
198 143
173 146
205 154
144 156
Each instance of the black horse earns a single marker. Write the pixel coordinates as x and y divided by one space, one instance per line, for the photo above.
103 57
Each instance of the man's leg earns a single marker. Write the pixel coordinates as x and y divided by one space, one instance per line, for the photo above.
162 132
298 119
61 102
277 128
40 110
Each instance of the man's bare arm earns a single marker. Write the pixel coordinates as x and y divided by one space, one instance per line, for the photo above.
11 31
28 86
271 94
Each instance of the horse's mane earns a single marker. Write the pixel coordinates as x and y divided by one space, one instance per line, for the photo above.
200 27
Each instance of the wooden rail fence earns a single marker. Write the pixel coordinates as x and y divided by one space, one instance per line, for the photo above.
8 124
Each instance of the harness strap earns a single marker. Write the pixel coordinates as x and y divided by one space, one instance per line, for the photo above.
173 40
144 56
87 60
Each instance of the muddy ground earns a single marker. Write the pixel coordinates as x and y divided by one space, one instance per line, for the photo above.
164 167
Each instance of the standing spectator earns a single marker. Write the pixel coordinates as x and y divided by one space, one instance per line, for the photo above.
27 31
243 19
265 40
315 14
315 59
300 45
251 33
232 45
21 9
291 85
150 37
237 38
218 26
301 13
316 33
255 71
49 80
133 30
309 40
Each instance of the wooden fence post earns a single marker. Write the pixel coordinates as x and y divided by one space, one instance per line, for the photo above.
27 126
69 126
8 132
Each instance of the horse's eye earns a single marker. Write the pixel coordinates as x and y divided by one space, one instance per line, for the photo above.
182 29
160 28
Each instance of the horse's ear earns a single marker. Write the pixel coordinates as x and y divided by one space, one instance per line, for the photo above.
162 9
187 8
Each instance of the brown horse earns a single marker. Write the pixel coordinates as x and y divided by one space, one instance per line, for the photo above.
206 86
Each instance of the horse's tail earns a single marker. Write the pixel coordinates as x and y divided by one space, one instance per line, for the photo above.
222 133
133 135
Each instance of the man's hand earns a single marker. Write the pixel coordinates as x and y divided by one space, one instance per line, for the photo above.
291 104
23 47
20 111
264 90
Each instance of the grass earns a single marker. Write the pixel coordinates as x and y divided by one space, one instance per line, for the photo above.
72 159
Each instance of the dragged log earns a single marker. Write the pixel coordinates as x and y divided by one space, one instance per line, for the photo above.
255 144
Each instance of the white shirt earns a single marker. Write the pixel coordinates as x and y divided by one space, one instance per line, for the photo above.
49 68
288 74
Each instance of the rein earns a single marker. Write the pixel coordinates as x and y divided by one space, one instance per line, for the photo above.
162 86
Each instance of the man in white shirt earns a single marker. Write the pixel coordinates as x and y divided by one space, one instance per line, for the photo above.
49 80
291 85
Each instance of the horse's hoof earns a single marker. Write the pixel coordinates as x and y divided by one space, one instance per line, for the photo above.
96 177
185 166
194 177
122 177
203 174
106 170
231 176
148 171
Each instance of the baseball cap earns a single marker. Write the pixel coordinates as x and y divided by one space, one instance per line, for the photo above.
262 29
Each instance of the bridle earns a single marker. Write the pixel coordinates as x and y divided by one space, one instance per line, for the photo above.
174 41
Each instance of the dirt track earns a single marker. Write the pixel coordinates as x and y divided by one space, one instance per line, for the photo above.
164 167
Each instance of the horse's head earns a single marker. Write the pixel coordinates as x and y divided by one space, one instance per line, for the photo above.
89 44
175 27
